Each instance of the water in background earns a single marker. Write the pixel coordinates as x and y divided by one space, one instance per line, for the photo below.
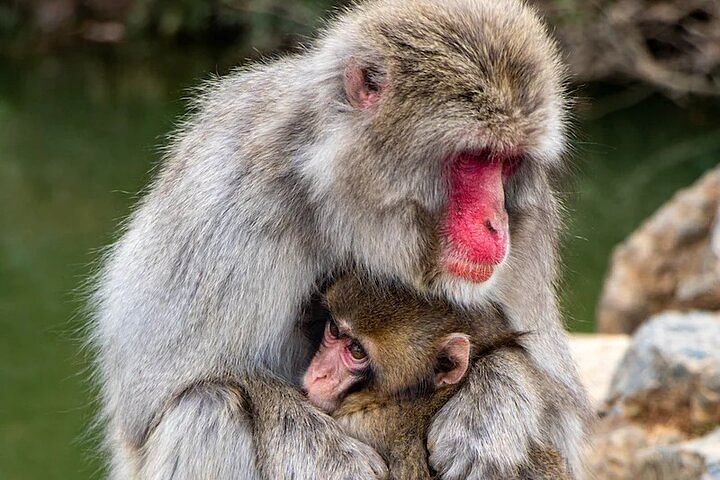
78 137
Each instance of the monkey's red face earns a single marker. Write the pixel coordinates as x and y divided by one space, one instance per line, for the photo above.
476 229
474 233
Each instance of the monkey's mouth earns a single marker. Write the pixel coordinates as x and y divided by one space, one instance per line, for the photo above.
323 404
471 271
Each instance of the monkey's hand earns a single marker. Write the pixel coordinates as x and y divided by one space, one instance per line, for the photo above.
485 430
295 440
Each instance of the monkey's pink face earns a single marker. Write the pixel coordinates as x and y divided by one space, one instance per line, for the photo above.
476 232
338 364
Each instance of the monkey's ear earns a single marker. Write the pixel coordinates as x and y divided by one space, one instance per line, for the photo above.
363 86
453 359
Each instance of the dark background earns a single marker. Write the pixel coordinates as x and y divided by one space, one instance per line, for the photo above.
89 89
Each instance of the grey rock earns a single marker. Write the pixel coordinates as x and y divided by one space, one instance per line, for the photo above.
614 450
694 460
670 374
597 357
672 262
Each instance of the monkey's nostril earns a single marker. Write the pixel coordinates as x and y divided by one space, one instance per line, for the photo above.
491 228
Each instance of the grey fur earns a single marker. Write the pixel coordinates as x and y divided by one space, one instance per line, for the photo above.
275 182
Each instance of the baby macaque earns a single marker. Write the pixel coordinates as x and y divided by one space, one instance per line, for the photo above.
389 360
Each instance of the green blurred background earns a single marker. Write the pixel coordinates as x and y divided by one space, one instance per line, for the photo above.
89 89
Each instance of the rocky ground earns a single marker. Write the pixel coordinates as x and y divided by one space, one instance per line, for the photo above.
669 263
657 392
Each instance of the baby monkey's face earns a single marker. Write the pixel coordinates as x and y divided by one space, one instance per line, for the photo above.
340 363
385 342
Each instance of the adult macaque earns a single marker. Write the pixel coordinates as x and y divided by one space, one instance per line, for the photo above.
418 140
389 360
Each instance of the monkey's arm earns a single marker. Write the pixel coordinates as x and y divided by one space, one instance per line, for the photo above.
488 429
207 430
290 435
203 433
545 463
512 396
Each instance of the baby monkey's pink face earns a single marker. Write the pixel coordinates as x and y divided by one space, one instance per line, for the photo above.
343 361
339 363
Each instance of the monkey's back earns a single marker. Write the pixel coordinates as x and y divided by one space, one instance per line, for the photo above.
161 280
396 429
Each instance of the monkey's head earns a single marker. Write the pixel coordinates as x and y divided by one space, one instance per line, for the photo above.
385 340
451 117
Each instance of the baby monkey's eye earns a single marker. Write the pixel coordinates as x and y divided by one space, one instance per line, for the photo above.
357 351
333 329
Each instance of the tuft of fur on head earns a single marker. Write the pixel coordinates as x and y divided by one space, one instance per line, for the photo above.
488 65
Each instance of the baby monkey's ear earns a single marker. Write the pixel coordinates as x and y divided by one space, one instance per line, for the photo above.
453 359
